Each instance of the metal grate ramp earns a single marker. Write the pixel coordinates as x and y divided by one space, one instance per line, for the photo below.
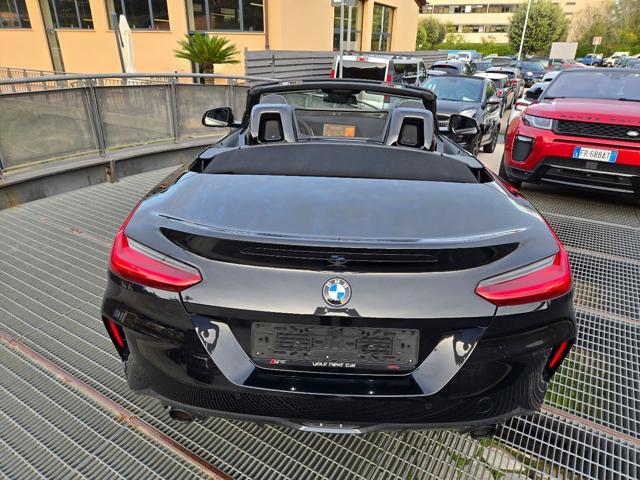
52 272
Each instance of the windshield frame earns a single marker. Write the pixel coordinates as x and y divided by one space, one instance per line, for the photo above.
254 94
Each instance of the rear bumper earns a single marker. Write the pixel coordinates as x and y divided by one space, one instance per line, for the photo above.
549 158
504 376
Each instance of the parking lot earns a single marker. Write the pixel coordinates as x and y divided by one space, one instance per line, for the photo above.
67 410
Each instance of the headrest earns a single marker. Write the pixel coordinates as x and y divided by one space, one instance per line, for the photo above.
411 127
272 123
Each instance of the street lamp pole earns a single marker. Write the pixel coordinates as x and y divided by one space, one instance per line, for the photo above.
524 30
341 38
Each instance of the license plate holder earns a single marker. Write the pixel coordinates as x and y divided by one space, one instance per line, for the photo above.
597 154
332 348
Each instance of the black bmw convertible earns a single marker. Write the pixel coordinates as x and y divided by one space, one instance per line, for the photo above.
335 265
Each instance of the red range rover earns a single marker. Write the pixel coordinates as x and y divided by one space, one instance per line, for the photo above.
584 131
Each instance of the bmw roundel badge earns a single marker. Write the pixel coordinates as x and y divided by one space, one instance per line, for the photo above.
336 292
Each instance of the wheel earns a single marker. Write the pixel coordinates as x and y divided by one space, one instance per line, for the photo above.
474 148
502 172
490 147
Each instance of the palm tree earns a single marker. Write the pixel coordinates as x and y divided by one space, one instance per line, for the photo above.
207 51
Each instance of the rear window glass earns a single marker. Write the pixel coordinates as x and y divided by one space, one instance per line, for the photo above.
405 71
363 70
444 68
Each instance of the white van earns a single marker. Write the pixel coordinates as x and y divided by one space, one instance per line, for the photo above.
392 68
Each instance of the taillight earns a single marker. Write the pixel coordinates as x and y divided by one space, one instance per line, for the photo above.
513 81
544 280
140 264
388 78
500 93
333 73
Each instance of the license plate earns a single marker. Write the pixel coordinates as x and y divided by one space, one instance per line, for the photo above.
329 348
597 154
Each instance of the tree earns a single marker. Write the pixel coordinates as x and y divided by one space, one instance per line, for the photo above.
547 23
617 22
431 32
207 51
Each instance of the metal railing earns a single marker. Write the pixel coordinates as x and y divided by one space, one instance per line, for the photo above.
57 117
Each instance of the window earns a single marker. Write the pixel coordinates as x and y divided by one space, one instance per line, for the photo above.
355 42
472 28
141 14
13 14
381 28
231 15
496 28
503 8
71 13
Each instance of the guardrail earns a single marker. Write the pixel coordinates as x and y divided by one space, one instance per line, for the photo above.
57 117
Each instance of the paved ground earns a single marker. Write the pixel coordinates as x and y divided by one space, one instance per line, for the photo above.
53 257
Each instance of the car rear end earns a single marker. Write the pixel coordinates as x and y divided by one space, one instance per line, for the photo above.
214 322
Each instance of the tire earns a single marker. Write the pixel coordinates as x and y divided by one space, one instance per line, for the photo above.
474 148
502 172
490 147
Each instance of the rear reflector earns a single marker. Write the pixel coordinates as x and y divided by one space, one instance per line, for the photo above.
114 330
558 354
140 264
389 79
544 280
333 73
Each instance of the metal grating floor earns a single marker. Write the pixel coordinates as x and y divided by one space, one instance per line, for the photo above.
53 255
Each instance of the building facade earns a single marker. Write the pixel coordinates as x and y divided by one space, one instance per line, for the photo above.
78 36
475 19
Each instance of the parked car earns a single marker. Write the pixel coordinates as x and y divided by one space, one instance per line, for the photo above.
628 62
515 77
453 67
482 66
584 131
504 89
355 272
391 68
472 97
562 63
434 73
532 71
613 60
592 60
530 96
499 61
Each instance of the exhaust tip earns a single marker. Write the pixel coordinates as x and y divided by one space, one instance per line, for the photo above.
480 433
180 415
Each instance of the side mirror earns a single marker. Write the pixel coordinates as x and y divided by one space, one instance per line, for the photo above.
495 100
218 117
461 125
533 93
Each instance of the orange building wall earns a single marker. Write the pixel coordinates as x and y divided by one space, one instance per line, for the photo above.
293 25
26 47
